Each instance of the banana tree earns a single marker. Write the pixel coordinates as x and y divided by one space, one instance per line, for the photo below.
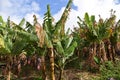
96 34
64 49
14 38
41 36
6 45
115 33
54 33
48 31
106 30
88 29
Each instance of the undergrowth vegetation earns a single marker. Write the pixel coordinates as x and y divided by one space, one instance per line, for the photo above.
110 70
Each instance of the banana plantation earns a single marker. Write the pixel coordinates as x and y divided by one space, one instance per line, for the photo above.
49 52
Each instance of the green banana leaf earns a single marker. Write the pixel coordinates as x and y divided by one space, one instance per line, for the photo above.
1 19
92 18
2 44
48 41
5 45
30 28
18 46
59 48
86 18
68 42
70 50
22 22
2 23
67 54
61 23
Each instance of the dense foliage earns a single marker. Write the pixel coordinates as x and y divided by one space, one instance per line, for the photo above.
48 49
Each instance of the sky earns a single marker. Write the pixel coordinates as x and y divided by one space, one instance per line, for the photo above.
18 9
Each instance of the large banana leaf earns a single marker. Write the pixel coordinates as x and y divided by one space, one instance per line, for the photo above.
5 45
2 23
18 46
47 25
27 36
70 50
15 40
8 45
1 20
68 42
92 18
2 43
22 22
59 48
48 41
86 19
61 23
30 28
64 54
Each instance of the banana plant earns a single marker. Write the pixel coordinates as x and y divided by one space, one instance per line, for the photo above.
64 49
88 29
54 33
41 36
114 38
13 40
104 32
61 23
95 33
48 30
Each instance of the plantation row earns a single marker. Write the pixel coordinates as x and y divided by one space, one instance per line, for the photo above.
48 48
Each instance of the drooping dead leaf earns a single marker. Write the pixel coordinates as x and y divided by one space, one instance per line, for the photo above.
40 33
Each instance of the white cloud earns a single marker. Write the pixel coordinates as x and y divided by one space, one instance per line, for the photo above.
35 6
5 3
93 7
116 1
17 9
